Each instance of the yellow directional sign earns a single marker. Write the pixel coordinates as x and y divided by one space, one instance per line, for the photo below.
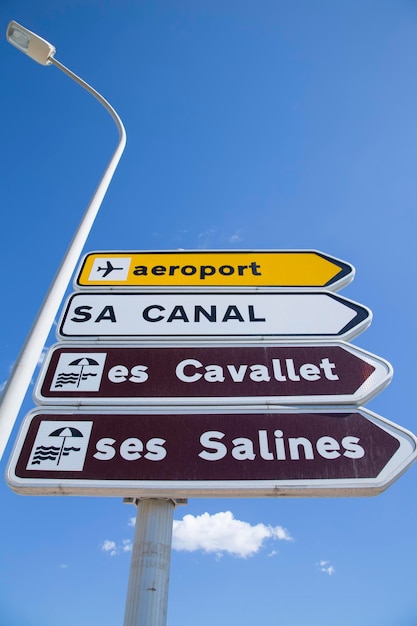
219 269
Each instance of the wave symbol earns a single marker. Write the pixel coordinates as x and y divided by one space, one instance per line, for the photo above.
50 453
71 379
66 451
45 453
66 379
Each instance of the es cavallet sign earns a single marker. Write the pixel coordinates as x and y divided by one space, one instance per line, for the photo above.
109 374
219 269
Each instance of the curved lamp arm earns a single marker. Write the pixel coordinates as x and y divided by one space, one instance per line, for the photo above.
16 387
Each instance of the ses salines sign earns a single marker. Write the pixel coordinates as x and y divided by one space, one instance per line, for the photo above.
217 452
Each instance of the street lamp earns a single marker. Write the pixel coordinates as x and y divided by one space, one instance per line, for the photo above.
20 378
34 46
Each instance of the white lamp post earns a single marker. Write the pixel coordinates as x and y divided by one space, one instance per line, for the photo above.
20 378
147 597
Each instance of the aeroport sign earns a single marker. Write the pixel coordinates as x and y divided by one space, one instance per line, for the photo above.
219 269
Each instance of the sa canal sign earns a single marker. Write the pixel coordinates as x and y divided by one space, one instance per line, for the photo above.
125 374
219 269
224 452
316 314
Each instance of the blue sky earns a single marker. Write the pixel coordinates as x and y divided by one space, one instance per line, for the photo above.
273 125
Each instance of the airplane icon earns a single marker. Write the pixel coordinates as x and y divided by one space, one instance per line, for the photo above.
109 268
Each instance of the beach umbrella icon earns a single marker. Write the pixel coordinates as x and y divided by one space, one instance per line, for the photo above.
82 363
65 432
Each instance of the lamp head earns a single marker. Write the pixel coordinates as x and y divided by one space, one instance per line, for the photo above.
31 44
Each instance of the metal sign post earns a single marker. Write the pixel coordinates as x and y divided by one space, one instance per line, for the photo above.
147 593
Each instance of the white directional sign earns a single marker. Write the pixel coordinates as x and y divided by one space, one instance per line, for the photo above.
133 315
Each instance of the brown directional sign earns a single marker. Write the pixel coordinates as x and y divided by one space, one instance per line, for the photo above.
221 452
217 374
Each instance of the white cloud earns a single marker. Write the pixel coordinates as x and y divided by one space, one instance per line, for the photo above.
236 237
126 545
43 354
205 237
41 359
221 533
112 548
326 568
109 546
206 233
218 534
4 383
